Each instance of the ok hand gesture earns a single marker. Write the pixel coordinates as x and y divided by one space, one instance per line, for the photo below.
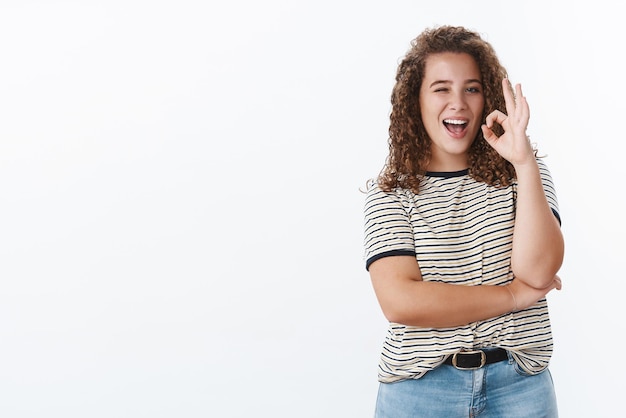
513 144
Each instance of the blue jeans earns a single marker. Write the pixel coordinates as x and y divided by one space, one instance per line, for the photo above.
498 390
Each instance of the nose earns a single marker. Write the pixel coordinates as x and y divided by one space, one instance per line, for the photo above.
457 101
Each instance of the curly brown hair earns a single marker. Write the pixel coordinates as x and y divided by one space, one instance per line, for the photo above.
409 143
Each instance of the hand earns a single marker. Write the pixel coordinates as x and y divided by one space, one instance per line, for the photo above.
513 144
526 296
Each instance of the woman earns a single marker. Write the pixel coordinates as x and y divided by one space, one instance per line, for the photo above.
462 240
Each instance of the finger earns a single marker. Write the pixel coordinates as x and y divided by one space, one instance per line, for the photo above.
518 94
495 116
522 104
509 98
488 134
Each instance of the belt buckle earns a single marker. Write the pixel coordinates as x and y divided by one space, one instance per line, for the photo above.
483 359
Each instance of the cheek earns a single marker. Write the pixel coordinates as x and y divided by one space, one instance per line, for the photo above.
479 109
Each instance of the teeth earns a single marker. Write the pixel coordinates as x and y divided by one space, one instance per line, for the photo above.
454 122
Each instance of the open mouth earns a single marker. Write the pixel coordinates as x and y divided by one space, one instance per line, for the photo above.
455 126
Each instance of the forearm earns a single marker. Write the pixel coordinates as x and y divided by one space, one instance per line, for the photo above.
441 305
537 239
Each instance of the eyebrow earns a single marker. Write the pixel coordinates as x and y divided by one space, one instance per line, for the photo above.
470 81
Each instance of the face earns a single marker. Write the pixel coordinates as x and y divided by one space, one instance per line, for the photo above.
451 101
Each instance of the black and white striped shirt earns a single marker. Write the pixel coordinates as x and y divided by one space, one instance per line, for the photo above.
461 232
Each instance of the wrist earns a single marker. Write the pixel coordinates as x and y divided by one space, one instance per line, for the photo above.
508 287
529 165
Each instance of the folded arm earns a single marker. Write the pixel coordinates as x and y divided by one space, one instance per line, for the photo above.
537 241
538 246
406 299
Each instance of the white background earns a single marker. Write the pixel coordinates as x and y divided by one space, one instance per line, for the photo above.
181 220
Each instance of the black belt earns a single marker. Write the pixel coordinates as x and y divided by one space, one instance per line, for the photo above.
471 360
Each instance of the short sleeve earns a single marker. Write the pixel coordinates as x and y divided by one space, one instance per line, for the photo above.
548 188
388 229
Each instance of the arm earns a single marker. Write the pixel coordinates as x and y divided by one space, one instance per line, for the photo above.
538 246
537 239
406 299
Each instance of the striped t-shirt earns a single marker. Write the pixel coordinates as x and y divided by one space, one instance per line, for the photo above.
461 232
